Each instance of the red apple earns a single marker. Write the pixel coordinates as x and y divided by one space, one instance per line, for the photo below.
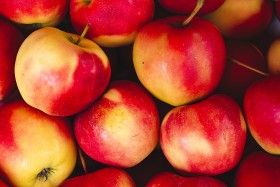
262 112
121 128
58 76
113 23
236 77
11 38
179 63
170 179
207 137
277 9
244 19
3 184
187 6
105 177
258 169
33 14
36 149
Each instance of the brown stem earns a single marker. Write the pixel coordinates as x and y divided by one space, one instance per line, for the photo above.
198 6
248 67
83 34
82 161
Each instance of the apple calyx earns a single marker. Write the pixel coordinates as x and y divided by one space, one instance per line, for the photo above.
198 6
44 174
248 67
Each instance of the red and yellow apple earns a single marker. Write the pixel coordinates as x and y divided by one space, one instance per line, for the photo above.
121 128
170 179
58 76
242 19
36 149
11 38
178 63
33 14
207 137
262 112
114 23
258 169
105 177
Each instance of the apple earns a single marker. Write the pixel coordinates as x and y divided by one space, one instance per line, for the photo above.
262 111
244 19
36 149
11 38
33 14
179 63
237 77
273 57
114 23
187 6
171 179
121 128
58 76
105 177
205 138
3 184
258 169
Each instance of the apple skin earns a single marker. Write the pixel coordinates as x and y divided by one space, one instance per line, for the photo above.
3 184
273 57
105 177
258 169
170 179
31 141
11 38
33 14
57 85
261 108
179 64
245 19
121 128
236 78
207 137
114 23
187 6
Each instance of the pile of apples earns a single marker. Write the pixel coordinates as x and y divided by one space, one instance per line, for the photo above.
140 93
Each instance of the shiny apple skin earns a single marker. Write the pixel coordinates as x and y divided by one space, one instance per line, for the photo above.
179 64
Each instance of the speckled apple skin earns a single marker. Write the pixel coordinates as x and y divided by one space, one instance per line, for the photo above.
196 138
46 12
121 128
169 179
58 77
11 38
105 177
187 6
179 65
262 111
31 140
258 169
113 23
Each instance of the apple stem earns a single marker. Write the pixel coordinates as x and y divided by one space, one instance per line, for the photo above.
198 6
248 67
83 34
83 161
